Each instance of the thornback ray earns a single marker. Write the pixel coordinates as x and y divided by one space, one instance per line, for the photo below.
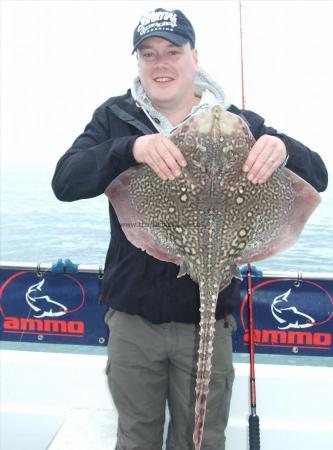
211 219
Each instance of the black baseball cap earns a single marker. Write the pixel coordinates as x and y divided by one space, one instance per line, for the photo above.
173 26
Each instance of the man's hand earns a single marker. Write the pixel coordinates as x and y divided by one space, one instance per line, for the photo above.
267 154
161 155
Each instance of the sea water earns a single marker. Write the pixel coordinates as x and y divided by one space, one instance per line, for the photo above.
36 227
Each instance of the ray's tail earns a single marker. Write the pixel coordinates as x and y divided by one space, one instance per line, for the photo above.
207 330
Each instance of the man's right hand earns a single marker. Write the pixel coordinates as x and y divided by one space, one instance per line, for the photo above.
161 155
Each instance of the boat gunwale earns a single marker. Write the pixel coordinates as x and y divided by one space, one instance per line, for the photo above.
99 268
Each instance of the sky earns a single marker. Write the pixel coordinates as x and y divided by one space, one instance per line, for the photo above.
61 59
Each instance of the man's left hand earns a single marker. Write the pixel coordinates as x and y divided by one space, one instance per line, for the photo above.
267 154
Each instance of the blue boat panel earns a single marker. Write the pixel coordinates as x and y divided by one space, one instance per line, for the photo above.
291 316
52 308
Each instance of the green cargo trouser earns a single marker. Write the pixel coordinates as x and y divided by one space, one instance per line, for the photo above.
150 365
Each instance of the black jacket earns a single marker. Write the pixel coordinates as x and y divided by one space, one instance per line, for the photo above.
134 282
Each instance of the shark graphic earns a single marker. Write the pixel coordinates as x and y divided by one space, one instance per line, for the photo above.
44 305
290 316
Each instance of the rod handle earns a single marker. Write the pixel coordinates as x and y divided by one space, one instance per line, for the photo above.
254 432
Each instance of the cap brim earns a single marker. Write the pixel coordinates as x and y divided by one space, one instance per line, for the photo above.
169 36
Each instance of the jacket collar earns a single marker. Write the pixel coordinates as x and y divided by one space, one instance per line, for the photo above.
127 110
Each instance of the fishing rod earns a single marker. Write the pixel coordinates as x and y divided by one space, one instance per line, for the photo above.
241 53
254 425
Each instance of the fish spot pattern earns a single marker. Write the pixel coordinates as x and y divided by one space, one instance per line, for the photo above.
211 218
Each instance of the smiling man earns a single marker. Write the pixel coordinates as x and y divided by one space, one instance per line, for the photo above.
154 315
167 73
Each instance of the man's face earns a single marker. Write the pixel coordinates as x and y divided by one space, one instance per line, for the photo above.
166 71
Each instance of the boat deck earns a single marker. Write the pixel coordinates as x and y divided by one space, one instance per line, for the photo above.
49 397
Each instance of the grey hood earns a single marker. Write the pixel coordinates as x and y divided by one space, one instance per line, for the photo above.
210 92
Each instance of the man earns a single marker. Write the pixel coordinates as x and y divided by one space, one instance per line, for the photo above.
154 315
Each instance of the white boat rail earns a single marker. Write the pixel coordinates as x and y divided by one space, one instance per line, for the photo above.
99 268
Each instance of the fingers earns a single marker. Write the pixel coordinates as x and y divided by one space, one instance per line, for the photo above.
162 155
267 154
170 157
166 160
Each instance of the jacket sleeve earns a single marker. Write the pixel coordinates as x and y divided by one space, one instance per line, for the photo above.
304 162
93 161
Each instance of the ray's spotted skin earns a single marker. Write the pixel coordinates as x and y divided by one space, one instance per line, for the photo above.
211 219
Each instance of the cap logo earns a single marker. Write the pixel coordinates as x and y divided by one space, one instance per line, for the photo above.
157 20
